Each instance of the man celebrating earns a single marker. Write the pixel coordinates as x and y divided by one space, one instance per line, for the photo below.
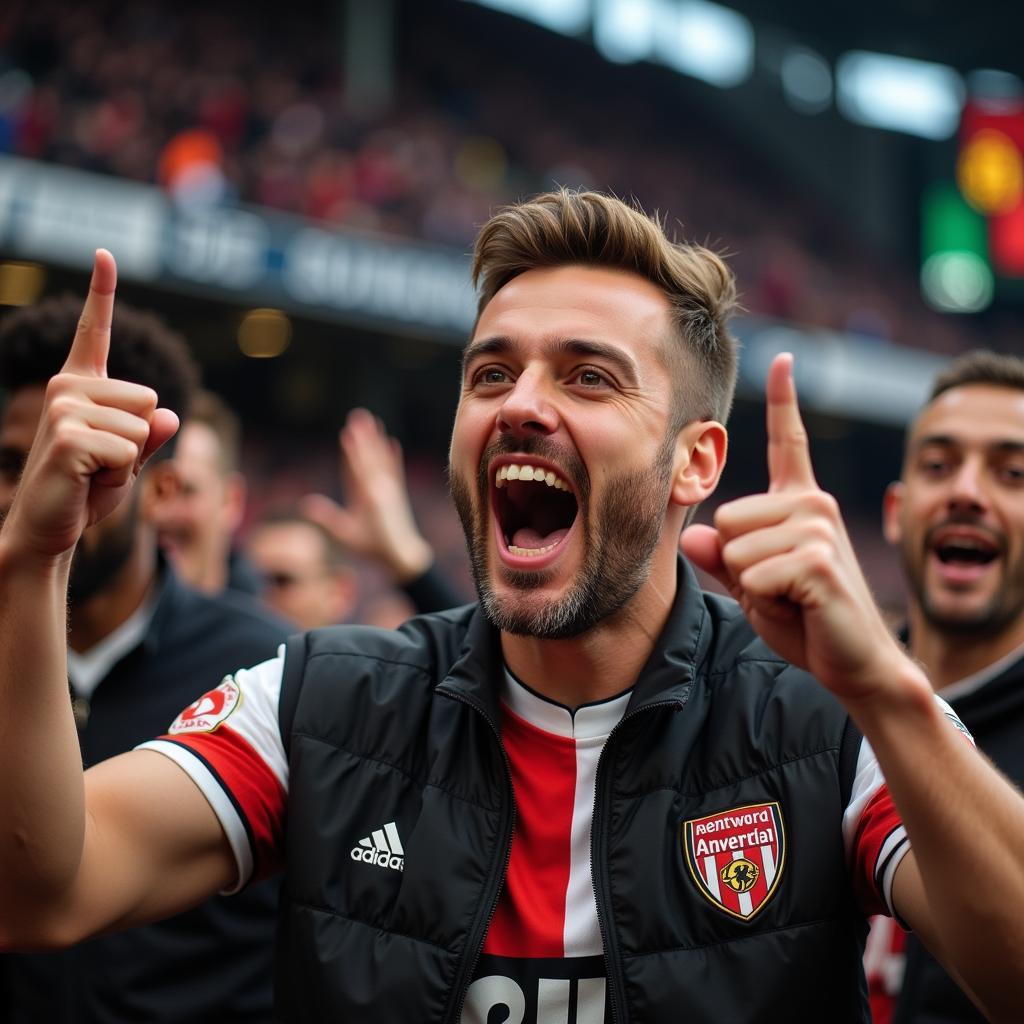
957 518
137 639
598 794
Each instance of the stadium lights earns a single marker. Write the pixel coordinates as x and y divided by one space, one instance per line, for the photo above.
900 94
806 80
707 41
264 333
568 17
698 38
21 283
623 31
955 273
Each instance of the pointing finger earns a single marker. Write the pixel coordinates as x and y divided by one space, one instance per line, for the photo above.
89 350
789 456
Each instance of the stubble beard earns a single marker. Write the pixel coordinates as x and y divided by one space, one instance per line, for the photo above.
1005 607
94 569
620 535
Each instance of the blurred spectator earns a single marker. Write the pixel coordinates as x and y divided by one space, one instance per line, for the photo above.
305 575
220 102
197 522
378 523
955 516
139 638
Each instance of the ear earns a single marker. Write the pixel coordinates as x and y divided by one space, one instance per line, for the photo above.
159 484
235 495
699 460
892 512
343 594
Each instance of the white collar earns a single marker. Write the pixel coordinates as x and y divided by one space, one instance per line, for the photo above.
589 721
86 669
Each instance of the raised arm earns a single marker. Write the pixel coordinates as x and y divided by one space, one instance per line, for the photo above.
378 522
787 559
82 853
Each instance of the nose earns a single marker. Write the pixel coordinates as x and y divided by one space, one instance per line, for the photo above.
529 407
968 490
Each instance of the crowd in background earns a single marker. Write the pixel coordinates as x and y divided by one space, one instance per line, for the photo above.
225 105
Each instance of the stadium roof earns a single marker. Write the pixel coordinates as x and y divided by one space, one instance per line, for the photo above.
965 35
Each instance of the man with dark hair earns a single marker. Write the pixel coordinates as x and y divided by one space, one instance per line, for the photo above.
957 518
137 640
598 793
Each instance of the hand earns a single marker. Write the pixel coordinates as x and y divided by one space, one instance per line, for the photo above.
94 436
378 522
786 557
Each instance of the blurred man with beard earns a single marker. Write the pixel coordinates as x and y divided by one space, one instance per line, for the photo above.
137 637
957 518
599 794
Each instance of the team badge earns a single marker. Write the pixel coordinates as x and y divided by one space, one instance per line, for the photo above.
207 713
736 856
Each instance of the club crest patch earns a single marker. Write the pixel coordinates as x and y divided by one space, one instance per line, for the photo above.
736 857
209 712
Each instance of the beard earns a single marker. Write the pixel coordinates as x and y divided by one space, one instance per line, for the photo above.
989 620
620 533
95 565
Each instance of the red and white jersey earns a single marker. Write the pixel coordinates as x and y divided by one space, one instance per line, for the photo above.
543 947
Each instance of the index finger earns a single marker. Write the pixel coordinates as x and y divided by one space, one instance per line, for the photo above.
789 456
89 350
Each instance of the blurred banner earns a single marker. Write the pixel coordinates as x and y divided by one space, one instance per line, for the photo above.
252 256
61 216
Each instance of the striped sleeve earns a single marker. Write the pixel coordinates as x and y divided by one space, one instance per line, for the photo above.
229 743
873 833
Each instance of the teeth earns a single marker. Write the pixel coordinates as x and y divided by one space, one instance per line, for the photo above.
535 473
531 552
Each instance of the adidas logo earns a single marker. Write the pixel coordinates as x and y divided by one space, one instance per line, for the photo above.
382 848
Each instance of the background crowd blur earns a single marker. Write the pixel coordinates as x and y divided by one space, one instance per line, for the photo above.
409 122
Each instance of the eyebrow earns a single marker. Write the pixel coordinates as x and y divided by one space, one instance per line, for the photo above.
948 441
567 346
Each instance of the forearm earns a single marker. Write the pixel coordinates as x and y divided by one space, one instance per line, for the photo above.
966 825
41 798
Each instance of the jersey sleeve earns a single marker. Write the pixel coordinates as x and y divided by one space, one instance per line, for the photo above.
873 833
229 743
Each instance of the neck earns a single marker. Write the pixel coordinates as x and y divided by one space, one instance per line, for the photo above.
95 619
949 657
211 574
605 660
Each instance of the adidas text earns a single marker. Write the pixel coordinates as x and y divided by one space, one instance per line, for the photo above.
381 858
382 848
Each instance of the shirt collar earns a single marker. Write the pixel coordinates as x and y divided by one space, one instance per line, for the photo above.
588 721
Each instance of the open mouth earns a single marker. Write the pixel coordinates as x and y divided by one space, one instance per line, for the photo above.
964 551
535 508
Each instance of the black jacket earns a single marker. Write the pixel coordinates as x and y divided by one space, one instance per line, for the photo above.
211 964
994 714
403 727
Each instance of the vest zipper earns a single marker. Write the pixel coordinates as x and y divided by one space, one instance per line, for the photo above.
476 944
616 1000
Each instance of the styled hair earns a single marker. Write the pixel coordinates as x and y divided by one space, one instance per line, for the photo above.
980 366
213 412
570 227
35 340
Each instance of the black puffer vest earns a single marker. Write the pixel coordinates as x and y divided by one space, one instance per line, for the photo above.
402 727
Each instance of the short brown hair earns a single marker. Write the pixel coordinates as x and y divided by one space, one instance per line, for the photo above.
567 227
980 366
